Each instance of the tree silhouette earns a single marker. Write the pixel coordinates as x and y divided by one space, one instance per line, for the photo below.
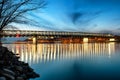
12 11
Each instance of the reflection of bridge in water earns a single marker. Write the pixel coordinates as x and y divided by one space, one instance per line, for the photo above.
53 36
50 52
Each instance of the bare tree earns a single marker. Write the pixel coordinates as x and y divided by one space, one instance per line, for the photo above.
12 11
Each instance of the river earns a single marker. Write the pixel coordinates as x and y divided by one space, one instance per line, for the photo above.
86 61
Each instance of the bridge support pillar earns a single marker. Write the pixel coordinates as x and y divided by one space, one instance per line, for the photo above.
85 40
112 39
34 40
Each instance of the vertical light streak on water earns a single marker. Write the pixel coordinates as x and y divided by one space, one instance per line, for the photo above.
40 50
111 47
96 49
79 50
37 56
48 52
22 55
13 49
64 53
30 57
43 53
62 50
109 50
34 53
85 48
54 51
69 51
72 51
25 54
17 49
58 51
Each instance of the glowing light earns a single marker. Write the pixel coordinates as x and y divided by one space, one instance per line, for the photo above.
52 37
34 40
48 52
85 39
112 39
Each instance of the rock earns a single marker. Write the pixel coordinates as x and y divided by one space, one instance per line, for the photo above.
24 76
2 78
19 68
13 69
1 62
32 75
8 71
3 49
19 78
9 76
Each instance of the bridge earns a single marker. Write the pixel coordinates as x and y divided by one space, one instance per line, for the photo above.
36 36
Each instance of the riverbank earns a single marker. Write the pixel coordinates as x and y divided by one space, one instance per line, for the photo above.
13 69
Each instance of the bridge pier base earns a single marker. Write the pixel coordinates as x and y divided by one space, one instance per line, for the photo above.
85 40
112 39
34 40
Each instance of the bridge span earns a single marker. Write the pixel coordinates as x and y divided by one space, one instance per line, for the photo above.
38 36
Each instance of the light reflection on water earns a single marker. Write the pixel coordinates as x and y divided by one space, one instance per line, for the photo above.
48 52
52 60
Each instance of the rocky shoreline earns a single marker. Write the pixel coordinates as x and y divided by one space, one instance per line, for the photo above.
13 69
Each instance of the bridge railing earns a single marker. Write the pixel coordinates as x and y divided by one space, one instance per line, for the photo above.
25 32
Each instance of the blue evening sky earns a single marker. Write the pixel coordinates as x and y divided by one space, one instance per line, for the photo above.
78 15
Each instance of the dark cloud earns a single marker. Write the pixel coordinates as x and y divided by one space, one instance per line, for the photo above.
79 17
75 16
86 19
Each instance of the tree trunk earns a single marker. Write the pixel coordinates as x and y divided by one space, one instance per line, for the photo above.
0 42
0 38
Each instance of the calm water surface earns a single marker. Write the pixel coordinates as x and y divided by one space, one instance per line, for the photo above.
87 61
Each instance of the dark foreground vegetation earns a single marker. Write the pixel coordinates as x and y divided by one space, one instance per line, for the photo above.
13 69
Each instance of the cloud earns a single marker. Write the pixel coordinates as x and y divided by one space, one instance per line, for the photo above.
75 16
71 15
79 16
86 20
